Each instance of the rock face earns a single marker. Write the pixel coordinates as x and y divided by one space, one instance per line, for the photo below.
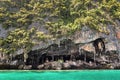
118 34
79 47
56 57
3 32
86 35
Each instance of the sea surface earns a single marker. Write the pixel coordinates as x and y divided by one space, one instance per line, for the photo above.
61 75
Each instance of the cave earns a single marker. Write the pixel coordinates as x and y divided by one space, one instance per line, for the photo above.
99 45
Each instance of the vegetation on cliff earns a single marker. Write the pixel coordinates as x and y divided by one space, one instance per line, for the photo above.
59 17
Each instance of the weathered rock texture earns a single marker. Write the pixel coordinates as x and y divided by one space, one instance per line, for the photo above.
78 46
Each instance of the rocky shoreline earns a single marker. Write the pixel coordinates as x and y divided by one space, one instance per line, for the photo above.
59 65
66 65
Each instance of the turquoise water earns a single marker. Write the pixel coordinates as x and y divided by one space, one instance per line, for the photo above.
61 75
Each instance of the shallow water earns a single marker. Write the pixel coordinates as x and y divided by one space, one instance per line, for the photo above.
61 75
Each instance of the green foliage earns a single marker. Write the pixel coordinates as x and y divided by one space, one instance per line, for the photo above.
59 17
77 12
21 39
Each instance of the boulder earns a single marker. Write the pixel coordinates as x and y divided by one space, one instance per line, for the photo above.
27 67
66 65
40 66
